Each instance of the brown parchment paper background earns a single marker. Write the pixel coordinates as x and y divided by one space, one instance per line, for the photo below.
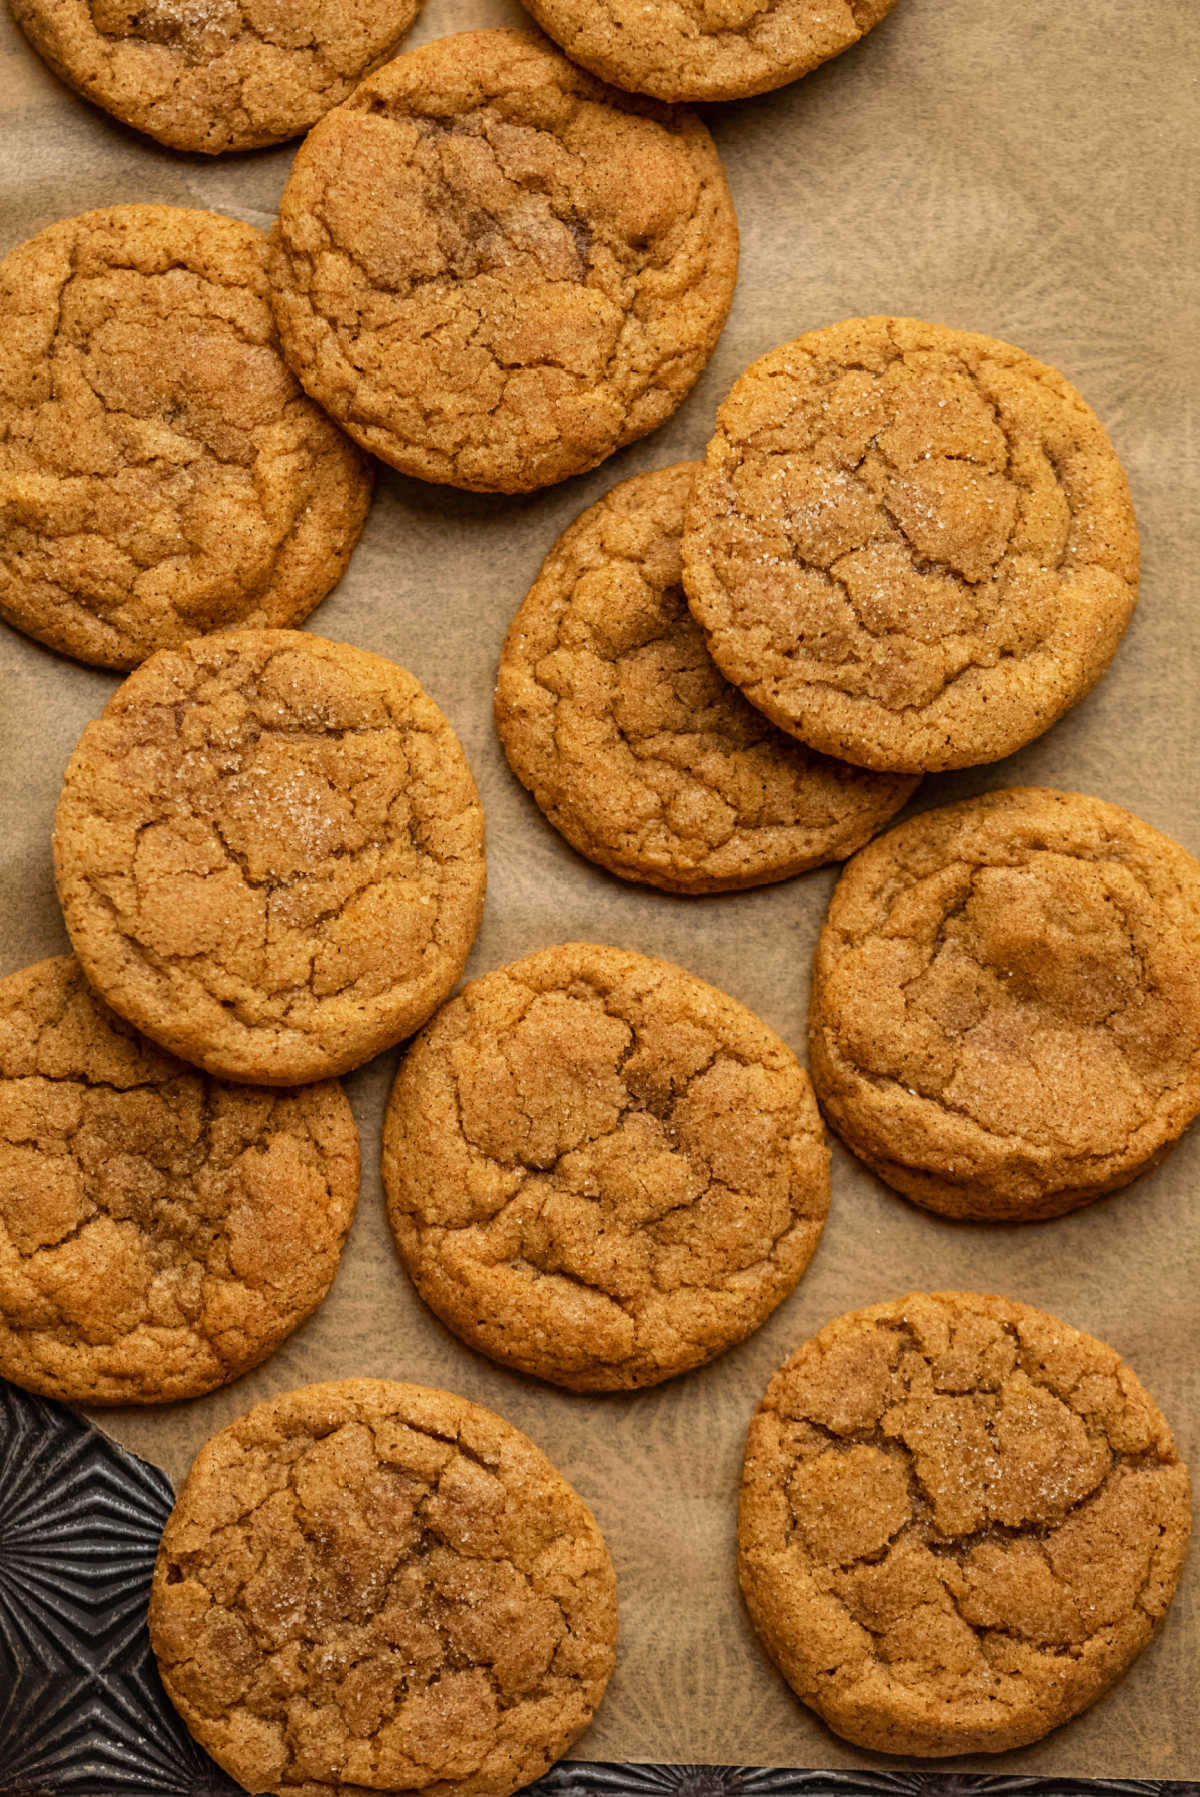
1018 167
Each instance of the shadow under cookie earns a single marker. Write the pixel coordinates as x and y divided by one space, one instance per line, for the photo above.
634 745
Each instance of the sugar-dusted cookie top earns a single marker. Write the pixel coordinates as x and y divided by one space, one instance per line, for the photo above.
961 1520
1006 1003
601 1170
493 270
161 472
269 853
369 1587
615 716
705 49
215 75
912 547
160 1231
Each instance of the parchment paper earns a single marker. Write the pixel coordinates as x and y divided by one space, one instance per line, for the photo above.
1021 169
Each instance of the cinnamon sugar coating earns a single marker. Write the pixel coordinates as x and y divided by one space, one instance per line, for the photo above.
912 547
705 49
160 1232
617 719
494 271
269 854
601 1170
1006 1003
161 472
367 1586
960 1522
214 75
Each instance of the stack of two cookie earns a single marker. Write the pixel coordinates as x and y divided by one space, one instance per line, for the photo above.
908 549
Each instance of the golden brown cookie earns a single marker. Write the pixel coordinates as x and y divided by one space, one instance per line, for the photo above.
705 49
494 271
601 1170
160 1232
269 854
1006 1003
369 1587
961 1520
912 547
617 719
214 75
161 472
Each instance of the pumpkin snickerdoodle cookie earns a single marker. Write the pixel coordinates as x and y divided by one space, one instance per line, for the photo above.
269 853
601 1170
368 1587
705 49
615 716
160 1232
912 547
161 472
494 271
1006 1003
961 1520
214 75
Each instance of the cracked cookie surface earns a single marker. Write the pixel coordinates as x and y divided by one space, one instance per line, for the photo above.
600 1170
160 1232
269 854
162 474
366 1586
705 49
1006 1003
960 1521
494 271
912 547
617 719
214 75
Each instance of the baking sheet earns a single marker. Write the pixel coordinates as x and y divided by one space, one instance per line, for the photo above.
1023 170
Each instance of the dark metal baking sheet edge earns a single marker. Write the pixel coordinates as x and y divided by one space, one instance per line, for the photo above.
82 1711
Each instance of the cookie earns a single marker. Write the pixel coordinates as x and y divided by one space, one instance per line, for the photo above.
494 271
1006 1003
705 49
214 75
912 547
961 1520
161 472
600 1170
269 854
369 1587
615 716
160 1232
